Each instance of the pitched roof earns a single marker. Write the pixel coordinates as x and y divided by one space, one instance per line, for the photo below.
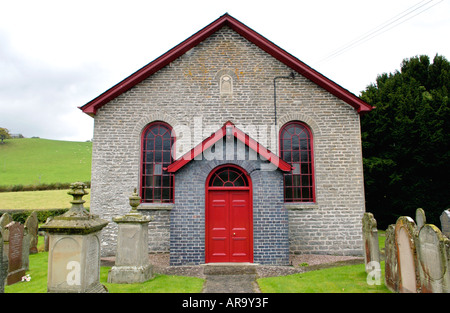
228 129
246 32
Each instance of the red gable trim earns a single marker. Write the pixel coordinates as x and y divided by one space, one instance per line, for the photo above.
246 32
229 129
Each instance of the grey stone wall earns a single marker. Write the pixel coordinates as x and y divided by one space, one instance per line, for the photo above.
186 94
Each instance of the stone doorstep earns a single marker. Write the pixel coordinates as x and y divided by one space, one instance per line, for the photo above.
229 268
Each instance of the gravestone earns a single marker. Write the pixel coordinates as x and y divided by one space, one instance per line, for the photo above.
74 248
421 219
433 259
32 225
26 249
391 266
46 240
3 266
132 263
406 255
445 223
15 262
370 238
5 220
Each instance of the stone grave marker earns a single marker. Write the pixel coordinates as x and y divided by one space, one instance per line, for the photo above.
32 225
46 238
370 237
132 263
407 259
445 223
26 249
15 263
5 220
433 259
390 266
3 266
421 219
74 248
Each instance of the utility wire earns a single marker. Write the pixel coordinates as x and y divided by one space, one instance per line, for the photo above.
382 28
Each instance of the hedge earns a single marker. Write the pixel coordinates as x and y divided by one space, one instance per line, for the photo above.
42 215
38 187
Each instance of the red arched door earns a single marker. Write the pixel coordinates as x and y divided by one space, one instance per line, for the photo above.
229 216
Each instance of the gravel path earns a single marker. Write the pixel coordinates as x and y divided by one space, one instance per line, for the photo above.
300 263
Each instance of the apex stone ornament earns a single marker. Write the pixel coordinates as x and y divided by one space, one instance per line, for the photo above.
132 264
74 247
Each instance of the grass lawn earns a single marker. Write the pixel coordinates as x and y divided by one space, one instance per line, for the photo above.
30 161
342 279
37 200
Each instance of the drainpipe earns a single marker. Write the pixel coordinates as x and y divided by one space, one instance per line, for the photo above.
291 76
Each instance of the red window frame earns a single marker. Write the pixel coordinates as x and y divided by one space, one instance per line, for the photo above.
158 147
296 148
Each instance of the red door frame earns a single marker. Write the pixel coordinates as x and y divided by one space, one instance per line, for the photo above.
248 188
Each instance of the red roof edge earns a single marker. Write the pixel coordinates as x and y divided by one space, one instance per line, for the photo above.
91 107
229 129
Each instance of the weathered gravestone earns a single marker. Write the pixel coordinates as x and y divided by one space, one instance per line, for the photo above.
391 266
32 225
405 229
432 250
371 247
15 262
132 264
26 249
445 223
46 239
74 248
421 219
5 220
3 266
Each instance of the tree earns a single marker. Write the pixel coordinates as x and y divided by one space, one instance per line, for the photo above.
4 134
406 141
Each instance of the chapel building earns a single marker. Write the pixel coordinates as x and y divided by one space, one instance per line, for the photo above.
239 151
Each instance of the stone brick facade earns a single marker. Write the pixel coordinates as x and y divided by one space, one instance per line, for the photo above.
192 96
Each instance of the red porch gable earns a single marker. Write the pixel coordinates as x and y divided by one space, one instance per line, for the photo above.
228 129
360 106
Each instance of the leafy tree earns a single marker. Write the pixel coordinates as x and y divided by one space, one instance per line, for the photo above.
406 141
4 134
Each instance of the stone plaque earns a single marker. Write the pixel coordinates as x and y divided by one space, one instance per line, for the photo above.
92 259
15 269
65 268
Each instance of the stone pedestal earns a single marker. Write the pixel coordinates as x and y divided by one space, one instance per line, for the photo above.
132 264
74 248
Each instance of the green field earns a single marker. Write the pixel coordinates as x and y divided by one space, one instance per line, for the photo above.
32 161
38 200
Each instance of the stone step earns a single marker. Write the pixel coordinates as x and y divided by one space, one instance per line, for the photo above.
229 268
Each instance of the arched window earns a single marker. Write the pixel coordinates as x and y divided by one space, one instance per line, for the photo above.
157 145
296 149
228 177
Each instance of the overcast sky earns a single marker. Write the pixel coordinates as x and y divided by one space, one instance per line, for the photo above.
55 56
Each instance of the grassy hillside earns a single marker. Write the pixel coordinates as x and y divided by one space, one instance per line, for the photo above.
29 161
